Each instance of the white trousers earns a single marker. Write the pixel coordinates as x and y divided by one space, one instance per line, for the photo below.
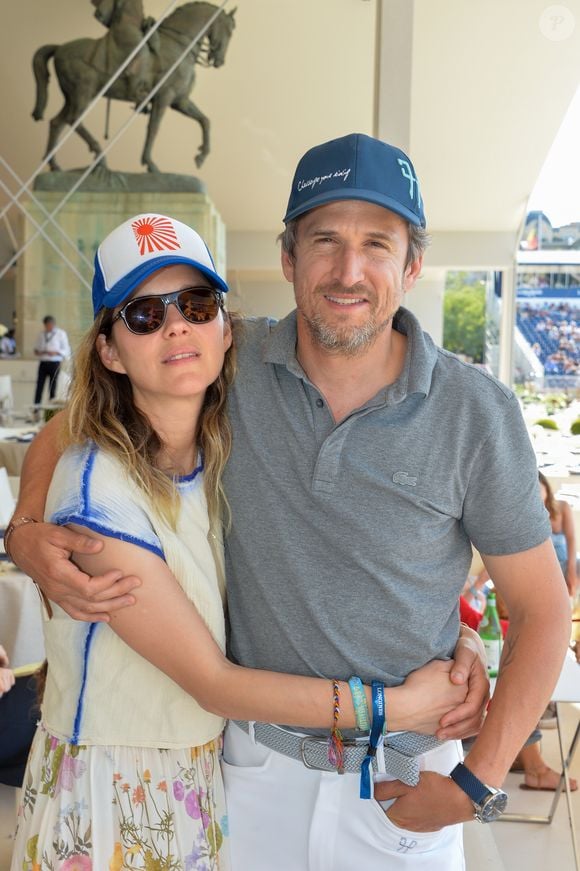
286 817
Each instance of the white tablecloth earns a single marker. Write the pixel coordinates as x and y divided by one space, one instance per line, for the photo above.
12 452
568 687
20 618
12 456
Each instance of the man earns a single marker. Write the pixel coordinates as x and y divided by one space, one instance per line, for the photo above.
364 461
52 347
8 343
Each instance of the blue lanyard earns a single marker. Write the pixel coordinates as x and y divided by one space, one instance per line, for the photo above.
378 696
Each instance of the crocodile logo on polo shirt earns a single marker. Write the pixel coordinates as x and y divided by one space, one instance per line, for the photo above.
405 479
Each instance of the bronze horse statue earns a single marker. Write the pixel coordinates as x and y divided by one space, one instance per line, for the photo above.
84 66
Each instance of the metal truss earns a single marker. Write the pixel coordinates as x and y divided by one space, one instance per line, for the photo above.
40 229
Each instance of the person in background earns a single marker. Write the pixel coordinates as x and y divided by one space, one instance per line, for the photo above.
8 343
18 714
564 540
563 536
51 347
6 673
474 589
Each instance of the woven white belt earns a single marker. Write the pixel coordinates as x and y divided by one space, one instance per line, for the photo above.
400 750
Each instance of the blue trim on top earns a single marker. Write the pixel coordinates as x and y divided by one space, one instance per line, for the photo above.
185 479
80 703
64 519
84 518
86 479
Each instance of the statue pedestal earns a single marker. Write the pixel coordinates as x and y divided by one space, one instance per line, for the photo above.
45 284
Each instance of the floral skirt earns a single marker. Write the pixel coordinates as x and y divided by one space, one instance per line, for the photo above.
96 808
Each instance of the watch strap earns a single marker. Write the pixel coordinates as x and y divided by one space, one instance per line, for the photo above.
469 783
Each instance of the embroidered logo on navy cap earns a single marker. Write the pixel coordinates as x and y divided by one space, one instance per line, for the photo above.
407 172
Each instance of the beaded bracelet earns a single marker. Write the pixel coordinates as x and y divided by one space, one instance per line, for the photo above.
335 742
359 701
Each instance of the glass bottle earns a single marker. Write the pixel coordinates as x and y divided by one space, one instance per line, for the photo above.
490 633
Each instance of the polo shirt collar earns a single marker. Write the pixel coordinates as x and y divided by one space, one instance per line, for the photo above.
420 359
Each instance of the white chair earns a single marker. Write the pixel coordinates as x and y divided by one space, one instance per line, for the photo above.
64 379
7 501
6 400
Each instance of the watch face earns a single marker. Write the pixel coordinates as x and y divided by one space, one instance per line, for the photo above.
493 807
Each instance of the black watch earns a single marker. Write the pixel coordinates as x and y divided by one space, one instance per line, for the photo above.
489 802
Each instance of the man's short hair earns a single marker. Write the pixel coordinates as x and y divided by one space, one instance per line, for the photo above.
48 319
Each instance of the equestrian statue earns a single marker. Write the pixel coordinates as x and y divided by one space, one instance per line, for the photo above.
84 66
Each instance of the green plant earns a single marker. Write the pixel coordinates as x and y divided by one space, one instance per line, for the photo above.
575 426
464 317
527 396
547 423
556 402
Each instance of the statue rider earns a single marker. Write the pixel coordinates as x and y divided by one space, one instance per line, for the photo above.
130 27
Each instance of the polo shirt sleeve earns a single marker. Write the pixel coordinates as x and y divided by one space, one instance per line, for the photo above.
91 489
503 511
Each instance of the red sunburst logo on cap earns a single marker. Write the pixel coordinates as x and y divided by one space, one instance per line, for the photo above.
155 234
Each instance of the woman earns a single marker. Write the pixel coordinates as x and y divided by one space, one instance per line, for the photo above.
124 770
563 536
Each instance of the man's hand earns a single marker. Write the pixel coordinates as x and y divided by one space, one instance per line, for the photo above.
429 695
43 552
435 802
469 668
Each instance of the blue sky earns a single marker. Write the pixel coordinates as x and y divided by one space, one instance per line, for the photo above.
557 190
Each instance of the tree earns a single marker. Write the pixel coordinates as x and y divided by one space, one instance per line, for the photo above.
464 316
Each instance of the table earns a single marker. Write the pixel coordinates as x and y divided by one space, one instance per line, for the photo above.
20 618
567 690
14 442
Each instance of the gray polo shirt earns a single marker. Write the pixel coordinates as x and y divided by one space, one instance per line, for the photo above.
350 543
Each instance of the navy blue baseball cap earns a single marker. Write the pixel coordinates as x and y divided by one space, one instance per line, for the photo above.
356 167
141 246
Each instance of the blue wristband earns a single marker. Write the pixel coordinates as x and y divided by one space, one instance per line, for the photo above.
378 695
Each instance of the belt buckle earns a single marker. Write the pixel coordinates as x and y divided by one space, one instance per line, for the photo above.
314 739
311 739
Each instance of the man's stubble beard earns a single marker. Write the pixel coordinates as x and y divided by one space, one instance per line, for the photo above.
348 340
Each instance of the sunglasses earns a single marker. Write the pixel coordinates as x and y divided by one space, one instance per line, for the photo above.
146 314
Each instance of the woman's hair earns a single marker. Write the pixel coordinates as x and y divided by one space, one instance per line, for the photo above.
101 409
550 499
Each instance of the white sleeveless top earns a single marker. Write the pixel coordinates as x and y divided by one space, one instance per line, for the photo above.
99 690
